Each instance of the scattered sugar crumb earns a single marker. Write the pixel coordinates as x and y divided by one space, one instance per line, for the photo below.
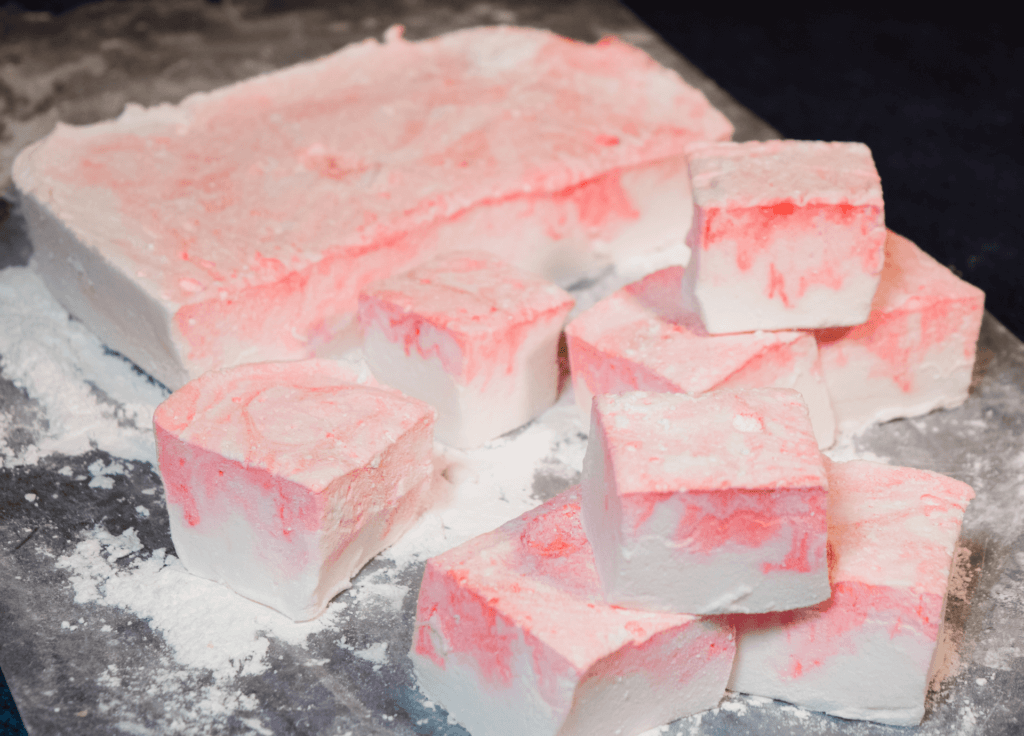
30 497
90 398
792 710
734 706
376 653
102 474
205 625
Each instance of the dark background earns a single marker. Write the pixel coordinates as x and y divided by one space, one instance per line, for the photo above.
938 100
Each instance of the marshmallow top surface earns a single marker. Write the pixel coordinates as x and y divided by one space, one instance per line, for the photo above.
470 293
764 173
912 279
538 571
893 526
647 322
309 422
243 185
753 439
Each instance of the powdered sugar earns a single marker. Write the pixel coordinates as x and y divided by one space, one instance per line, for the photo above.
90 398
206 625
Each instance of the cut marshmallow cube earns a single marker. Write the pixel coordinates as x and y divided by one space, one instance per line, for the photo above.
470 335
785 234
512 637
706 505
866 653
240 225
284 479
916 351
644 338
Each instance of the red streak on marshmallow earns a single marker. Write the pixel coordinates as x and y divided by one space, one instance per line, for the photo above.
707 504
866 652
645 337
244 221
786 234
471 335
483 304
283 479
513 636
916 351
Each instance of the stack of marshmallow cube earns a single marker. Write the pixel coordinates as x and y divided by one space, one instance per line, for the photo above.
710 390
788 240
603 610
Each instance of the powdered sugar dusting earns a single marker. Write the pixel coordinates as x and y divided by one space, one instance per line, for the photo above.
90 398
206 625
492 484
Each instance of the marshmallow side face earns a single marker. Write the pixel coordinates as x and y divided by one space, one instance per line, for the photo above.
916 351
708 505
283 480
253 215
785 235
866 653
646 337
512 636
472 336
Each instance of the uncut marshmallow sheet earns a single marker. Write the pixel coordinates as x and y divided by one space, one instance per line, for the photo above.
240 224
866 653
283 479
785 234
916 351
472 336
644 338
512 637
706 505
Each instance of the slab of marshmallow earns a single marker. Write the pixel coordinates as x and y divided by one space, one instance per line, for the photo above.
865 654
470 335
709 504
644 338
916 351
785 235
512 637
240 224
283 479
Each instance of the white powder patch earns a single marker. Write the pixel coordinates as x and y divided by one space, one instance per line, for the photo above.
102 474
799 713
738 707
968 721
206 625
380 590
493 484
376 653
90 398
1006 658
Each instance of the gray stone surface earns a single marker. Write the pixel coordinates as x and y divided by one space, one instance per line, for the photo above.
101 668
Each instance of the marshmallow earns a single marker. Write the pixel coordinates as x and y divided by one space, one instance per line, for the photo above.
470 335
916 351
706 505
644 338
512 637
866 653
283 479
785 234
240 225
